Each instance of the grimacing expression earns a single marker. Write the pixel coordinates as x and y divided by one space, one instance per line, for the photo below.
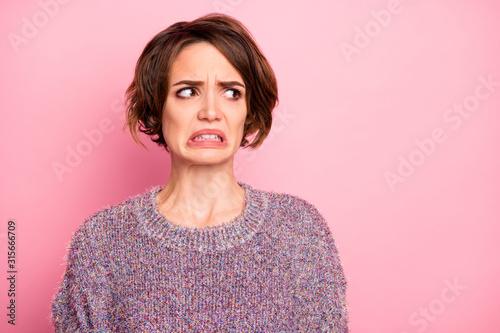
205 109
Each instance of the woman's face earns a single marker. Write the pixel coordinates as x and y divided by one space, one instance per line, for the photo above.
205 108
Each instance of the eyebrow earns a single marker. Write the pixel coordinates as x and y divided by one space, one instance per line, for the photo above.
224 84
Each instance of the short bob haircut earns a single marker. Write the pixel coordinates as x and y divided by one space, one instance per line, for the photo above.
146 95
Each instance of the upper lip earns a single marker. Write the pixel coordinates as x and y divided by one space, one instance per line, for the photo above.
209 131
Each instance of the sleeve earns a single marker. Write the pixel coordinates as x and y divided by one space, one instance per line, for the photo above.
82 303
320 292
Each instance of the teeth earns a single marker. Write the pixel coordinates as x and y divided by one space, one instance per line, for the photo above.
208 137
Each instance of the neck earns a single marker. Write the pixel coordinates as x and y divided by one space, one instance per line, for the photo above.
201 195
253 219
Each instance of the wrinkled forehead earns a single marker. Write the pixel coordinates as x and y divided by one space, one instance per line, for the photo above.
202 61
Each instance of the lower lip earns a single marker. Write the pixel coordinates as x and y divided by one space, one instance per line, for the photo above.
207 144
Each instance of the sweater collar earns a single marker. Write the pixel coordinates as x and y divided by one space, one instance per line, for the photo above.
212 238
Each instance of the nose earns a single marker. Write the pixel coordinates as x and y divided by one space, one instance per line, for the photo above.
209 109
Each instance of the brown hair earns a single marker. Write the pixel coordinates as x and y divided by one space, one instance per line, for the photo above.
147 93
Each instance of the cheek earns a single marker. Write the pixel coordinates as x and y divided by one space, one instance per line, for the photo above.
241 121
169 111
238 119
176 122
169 125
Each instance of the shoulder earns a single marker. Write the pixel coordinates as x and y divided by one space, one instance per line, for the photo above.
296 210
311 237
106 223
290 202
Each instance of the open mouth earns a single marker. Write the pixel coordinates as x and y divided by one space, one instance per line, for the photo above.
208 137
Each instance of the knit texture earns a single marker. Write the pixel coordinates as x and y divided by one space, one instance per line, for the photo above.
273 268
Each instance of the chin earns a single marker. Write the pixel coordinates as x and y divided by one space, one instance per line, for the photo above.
210 157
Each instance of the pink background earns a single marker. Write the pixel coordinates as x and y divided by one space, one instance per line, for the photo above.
364 88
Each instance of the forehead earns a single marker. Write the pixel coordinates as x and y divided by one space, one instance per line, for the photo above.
202 60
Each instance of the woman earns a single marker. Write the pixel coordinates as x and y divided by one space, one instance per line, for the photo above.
205 252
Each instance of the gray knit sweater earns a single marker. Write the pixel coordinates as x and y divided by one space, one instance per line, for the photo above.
274 268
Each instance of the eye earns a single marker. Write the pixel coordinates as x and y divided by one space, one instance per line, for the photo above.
232 94
186 92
